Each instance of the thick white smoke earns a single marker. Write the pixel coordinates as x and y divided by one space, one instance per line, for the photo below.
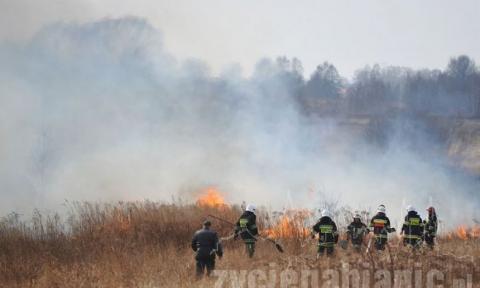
101 111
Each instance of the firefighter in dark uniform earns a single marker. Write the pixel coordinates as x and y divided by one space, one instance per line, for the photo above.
381 227
328 234
246 227
431 226
412 228
356 231
206 244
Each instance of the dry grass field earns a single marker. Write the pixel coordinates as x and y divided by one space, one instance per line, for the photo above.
146 244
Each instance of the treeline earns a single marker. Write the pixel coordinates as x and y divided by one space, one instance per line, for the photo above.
377 90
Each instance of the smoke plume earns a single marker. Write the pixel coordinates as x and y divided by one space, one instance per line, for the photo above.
101 112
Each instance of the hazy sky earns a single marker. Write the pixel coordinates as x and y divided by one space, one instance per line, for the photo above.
349 33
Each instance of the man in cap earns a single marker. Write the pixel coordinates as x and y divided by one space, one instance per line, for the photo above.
328 234
381 227
246 227
206 245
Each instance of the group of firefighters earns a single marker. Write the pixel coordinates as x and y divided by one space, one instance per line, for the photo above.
207 246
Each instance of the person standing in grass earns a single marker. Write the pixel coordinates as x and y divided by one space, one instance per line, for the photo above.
206 245
356 232
246 227
381 227
431 226
412 229
328 234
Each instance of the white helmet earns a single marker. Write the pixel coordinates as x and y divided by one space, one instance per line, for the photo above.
381 208
325 213
251 208
410 208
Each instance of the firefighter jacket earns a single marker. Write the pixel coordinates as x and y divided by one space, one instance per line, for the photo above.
327 231
246 226
356 231
431 225
412 227
380 225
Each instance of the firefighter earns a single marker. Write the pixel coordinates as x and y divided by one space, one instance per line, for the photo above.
356 231
246 227
430 226
328 234
412 228
381 227
206 245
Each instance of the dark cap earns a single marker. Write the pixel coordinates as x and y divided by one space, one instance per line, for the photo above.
207 223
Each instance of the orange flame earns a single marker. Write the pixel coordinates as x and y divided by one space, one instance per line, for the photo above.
211 197
290 225
464 233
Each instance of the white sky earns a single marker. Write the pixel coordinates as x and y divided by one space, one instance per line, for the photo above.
348 33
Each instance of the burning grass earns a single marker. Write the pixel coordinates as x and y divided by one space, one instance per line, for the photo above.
289 225
146 244
211 197
464 233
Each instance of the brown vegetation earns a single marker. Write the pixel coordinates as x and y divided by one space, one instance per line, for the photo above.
146 244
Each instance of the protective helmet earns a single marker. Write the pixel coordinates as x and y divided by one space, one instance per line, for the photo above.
381 208
251 208
207 223
325 213
410 208
357 216
431 210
